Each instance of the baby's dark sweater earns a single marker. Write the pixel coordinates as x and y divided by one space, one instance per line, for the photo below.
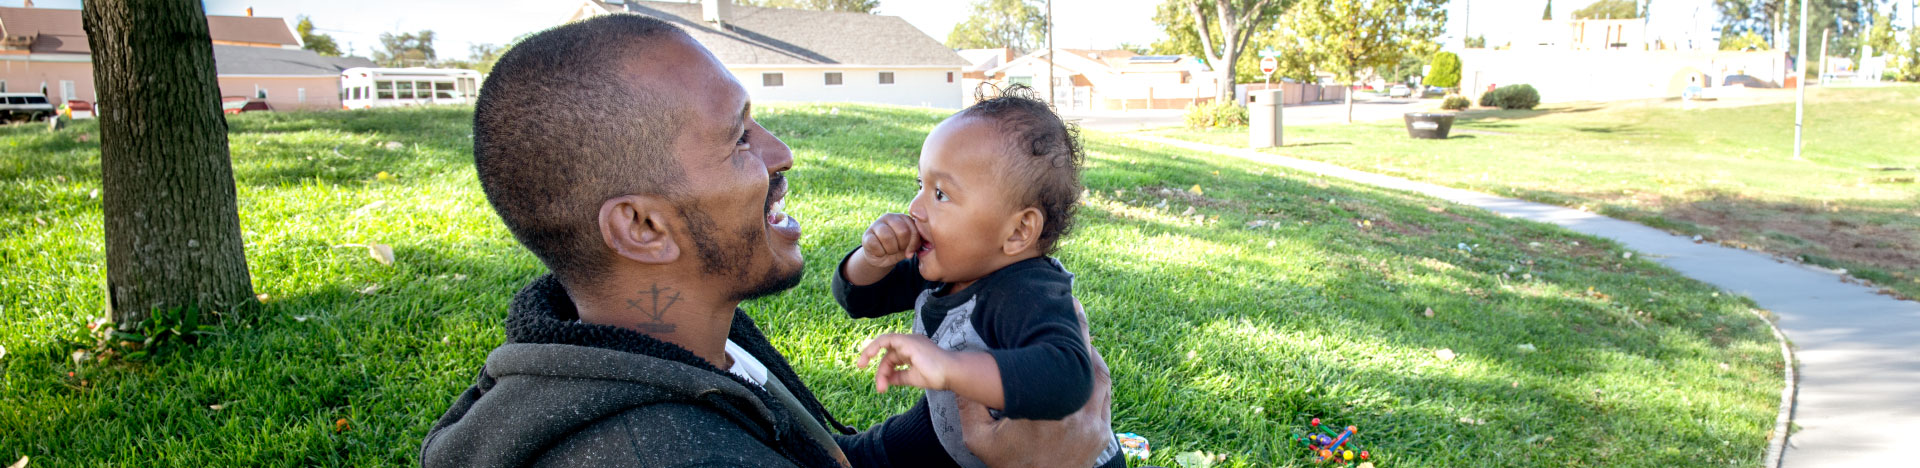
1023 312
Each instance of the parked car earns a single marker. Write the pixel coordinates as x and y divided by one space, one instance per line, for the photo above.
77 109
238 104
16 107
1745 80
1399 90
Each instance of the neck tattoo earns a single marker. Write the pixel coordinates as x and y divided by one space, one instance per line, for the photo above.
649 303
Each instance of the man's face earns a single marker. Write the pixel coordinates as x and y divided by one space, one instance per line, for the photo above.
733 192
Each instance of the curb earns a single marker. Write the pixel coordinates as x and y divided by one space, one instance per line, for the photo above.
1777 447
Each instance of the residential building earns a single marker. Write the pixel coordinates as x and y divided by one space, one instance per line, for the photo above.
1085 79
45 50
783 54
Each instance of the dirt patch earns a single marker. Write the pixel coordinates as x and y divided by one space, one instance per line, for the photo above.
1773 227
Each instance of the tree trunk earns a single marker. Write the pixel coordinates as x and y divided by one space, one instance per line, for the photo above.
172 228
1348 92
1225 92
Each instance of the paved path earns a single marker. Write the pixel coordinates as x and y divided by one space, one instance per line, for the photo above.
1859 352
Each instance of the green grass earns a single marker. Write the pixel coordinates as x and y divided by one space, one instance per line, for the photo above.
1725 174
1278 298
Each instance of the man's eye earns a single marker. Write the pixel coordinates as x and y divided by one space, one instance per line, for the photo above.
744 135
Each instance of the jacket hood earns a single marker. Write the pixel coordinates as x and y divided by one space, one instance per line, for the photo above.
556 376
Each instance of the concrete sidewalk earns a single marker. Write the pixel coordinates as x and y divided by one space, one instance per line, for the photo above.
1858 351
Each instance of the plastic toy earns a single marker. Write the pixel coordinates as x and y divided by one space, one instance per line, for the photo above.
1134 445
1326 445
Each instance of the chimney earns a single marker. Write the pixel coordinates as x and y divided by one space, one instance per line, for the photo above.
249 12
28 5
716 11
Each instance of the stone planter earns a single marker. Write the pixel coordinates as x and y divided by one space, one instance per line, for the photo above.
1429 125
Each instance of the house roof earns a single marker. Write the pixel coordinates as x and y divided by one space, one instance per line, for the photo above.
242 60
60 31
985 59
780 36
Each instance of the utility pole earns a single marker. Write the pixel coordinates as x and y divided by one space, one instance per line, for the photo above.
1052 60
1800 101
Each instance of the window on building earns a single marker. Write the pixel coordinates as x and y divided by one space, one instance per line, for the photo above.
444 90
259 92
384 88
404 89
886 77
949 77
772 79
3 86
1021 80
300 95
833 78
66 91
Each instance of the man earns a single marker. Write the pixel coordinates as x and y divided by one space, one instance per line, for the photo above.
626 158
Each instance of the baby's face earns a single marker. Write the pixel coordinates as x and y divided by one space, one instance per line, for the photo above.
963 209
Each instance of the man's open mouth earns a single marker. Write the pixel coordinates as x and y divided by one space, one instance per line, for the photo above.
777 202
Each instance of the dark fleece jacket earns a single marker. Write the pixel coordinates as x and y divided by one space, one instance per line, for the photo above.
565 393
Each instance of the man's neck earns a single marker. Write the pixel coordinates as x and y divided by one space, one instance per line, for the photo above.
697 320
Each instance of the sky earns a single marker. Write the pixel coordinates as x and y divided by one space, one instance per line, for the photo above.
457 25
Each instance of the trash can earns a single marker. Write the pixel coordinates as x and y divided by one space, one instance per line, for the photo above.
1263 118
1428 125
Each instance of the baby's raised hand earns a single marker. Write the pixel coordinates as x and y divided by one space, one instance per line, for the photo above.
892 238
910 360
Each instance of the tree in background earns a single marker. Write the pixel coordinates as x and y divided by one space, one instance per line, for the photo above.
1609 9
1001 23
1881 36
166 185
1476 42
318 43
406 49
1844 18
1746 41
1910 68
1444 70
1224 27
1183 38
1548 14
1353 38
855 6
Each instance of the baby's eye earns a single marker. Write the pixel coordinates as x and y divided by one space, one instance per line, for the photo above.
939 194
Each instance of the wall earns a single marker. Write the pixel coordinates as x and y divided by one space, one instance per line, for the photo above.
283 93
922 87
25 77
1604 75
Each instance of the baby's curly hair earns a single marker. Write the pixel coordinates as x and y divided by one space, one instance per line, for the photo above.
1043 155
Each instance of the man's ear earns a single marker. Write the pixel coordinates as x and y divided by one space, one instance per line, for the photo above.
639 228
1026 231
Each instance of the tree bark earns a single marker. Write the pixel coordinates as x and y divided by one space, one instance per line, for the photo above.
172 226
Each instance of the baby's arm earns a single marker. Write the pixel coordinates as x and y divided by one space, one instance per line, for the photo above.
877 278
915 361
1040 350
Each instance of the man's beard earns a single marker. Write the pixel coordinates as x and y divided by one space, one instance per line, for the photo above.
732 260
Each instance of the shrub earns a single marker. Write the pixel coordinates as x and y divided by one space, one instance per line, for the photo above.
1511 97
1455 102
1443 70
1212 114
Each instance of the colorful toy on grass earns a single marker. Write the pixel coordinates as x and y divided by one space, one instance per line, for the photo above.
1326 445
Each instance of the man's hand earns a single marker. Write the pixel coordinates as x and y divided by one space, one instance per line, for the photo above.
892 238
1071 442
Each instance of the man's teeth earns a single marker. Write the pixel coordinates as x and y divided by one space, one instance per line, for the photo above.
775 215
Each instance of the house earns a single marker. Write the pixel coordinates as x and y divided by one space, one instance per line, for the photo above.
1085 79
802 55
45 50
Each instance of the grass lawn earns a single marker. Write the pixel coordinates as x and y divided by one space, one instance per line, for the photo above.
1233 301
1725 174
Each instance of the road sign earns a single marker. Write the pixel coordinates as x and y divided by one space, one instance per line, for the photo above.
1269 53
1268 65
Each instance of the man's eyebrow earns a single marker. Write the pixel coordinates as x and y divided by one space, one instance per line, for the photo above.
740 124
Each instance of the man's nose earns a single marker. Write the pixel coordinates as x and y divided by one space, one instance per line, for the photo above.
775 154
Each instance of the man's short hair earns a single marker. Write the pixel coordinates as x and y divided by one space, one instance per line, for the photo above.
558 130
1042 159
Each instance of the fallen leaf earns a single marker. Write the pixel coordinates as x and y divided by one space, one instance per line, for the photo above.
1364 465
1435 209
370 289
371 207
1445 354
1196 190
1527 347
1724 366
216 407
263 297
393 146
383 175
459 277
1195 459
340 425
382 253
1471 421
19 464
301 318
1626 254
3 352
1189 212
